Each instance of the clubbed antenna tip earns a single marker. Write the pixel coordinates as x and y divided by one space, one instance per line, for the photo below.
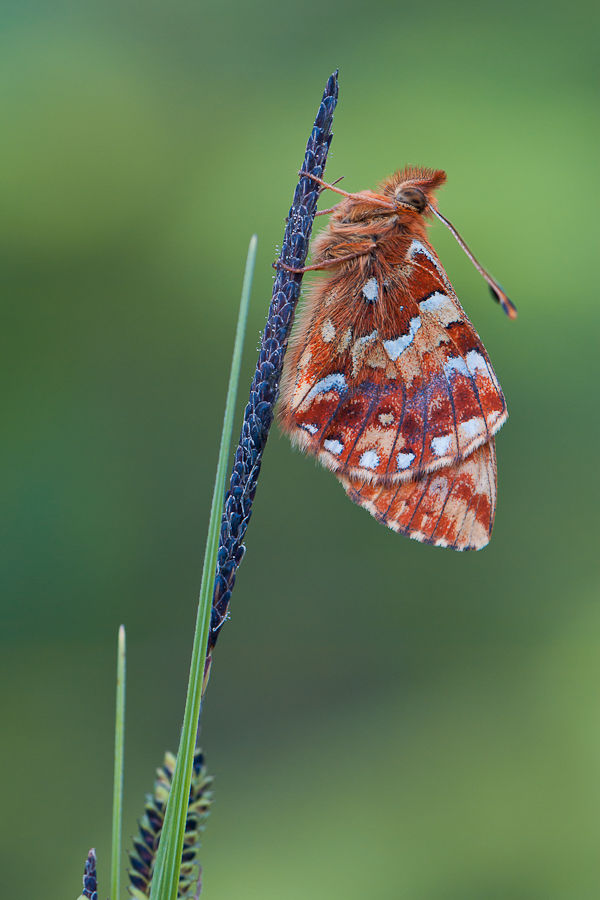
500 297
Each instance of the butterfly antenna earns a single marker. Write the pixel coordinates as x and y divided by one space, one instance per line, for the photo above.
496 289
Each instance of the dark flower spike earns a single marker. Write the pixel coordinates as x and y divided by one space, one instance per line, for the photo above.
264 390
145 845
90 883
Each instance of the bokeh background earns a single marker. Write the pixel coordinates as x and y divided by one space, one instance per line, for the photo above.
384 720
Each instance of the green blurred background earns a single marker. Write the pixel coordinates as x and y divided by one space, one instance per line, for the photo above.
385 720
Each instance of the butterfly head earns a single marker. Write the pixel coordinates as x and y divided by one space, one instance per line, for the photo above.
413 188
410 197
407 194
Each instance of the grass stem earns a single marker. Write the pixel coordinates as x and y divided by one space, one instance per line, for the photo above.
168 860
117 813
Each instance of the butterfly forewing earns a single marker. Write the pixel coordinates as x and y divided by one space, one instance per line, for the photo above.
397 382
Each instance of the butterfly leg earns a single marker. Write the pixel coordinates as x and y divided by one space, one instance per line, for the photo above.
325 184
326 264
325 212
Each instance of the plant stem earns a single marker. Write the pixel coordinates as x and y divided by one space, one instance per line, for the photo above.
168 859
117 813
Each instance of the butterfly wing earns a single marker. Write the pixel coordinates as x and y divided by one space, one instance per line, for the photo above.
452 507
387 378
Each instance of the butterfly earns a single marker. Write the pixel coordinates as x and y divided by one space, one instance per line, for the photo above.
386 381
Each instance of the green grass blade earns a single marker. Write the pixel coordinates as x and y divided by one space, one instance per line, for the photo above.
117 815
168 859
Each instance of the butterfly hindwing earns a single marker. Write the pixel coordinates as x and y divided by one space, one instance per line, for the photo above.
453 507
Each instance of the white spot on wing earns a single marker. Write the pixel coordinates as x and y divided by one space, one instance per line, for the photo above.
404 460
312 429
345 340
359 349
327 331
436 302
441 445
396 347
335 447
369 460
371 290
455 364
418 247
476 361
368 338
472 427
333 382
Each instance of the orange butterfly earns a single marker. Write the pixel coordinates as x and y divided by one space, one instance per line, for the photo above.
386 381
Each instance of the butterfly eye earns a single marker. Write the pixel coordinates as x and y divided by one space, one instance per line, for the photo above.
412 196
